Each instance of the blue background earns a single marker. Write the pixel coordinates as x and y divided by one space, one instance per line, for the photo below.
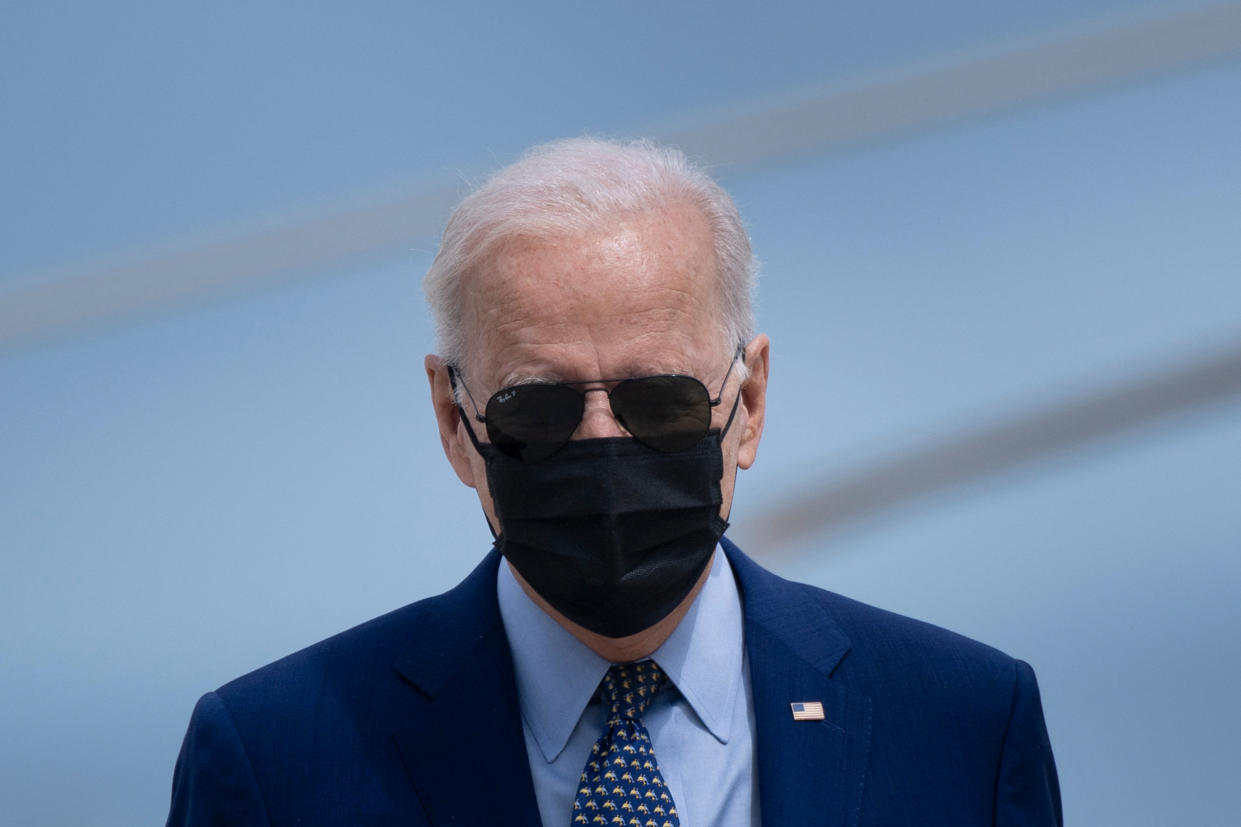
187 495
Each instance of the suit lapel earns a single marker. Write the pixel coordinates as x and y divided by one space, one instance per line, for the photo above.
809 772
461 740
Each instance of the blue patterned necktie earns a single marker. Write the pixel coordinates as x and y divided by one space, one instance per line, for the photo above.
621 783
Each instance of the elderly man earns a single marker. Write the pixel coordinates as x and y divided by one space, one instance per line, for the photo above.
614 660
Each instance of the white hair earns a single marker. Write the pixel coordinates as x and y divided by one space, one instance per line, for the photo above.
572 186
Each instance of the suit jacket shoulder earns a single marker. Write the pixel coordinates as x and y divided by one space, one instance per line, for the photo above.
379 724
922 725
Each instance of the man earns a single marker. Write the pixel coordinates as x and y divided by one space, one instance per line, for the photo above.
614 660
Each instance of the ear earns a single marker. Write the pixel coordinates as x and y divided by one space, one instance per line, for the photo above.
452 433
754 398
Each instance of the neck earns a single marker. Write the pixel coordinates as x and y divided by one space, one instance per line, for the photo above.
619 649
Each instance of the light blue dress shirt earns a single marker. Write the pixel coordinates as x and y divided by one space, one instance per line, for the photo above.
702 730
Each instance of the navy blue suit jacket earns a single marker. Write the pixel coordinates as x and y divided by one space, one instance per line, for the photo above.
413 719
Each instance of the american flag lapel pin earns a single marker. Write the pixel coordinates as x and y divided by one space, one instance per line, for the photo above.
807 711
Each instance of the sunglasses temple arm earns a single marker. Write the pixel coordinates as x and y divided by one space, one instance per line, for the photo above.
738 355
737 399
465 418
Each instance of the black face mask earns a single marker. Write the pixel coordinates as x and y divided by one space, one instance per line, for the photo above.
611 533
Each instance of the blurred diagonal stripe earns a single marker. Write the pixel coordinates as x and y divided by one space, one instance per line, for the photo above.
223 264
921 97
990 447
840 117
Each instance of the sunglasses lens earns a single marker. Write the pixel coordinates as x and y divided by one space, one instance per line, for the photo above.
667 413
532 422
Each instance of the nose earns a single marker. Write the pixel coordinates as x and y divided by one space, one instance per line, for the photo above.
598 421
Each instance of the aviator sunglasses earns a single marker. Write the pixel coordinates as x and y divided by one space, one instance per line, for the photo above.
529 422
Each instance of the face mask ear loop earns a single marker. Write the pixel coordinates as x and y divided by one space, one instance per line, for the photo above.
737 401
465 418
727 424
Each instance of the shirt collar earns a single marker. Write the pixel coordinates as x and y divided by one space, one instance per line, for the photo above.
557 674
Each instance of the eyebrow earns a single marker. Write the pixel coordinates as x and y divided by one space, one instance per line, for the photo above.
527 379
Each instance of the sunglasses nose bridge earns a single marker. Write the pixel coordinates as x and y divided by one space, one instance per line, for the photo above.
598 421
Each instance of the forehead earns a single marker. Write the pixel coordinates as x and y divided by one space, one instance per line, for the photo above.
639 294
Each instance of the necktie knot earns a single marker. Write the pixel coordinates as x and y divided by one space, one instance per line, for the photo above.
628 688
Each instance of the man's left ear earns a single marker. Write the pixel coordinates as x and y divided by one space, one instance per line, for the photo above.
754 398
